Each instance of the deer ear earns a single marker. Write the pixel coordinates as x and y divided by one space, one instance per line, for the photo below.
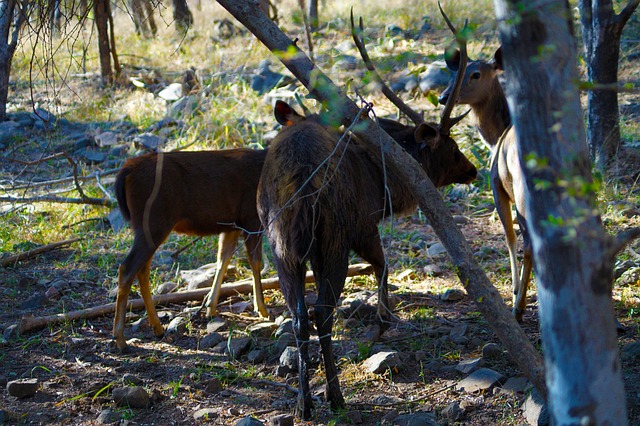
286 115
427 136
452 58
497 59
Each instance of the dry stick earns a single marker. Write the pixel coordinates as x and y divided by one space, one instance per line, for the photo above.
473 278
245 286
51 199
7 261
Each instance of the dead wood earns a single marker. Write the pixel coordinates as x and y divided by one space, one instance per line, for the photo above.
471 275
52 199
30 323
11 260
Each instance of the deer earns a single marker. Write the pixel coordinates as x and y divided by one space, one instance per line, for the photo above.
481 89
196 193
322 194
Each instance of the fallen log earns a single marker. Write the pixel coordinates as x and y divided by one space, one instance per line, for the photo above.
30 323
12 260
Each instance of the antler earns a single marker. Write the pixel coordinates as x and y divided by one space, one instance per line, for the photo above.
414 116
446 123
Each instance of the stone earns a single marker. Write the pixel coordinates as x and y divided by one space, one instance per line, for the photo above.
382 361
238 347
178 325
92 156
515 386
249 421
166 288
264 79
256 356
289 358
213 386
149 141
535 410
53 293
216 324
432 270
453 411
285 326
482 379
211 340
416 419
631 277
458 330
11 332
23 388
129 379
172 92
282 420
262 329
106 139
436 76
108 416
630 351
34 302
284 340
491 350
205 414
452 295
116 220
469 365
132 397
354 416
436 249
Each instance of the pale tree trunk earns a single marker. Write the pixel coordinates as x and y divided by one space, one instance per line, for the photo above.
573 254
12 17
312 12
601 32
106 41
480 289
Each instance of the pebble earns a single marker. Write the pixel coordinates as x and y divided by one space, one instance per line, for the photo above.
131 396
282 420
23 388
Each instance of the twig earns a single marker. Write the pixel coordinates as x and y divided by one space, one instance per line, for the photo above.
65 180
50 199
275 384
186 246
11 260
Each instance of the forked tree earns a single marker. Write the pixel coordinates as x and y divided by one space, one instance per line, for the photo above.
13 14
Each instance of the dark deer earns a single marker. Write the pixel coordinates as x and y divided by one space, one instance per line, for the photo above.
321 195
197 193
483 92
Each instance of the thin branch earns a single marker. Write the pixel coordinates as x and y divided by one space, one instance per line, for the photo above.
50 199
12 260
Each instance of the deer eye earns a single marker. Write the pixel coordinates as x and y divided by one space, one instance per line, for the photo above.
474 76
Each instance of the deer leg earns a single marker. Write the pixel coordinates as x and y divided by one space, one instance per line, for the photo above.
330 274
139 256
150 306
253 243
291 274
520 303
372 252
226 247
503 207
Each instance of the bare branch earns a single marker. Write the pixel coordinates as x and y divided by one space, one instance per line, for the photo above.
12 260
50 199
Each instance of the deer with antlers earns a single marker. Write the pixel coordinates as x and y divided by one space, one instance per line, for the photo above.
482 91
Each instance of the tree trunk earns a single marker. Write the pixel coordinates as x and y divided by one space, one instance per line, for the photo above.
601 32
573 253
12 16
314 21
481 290
101 16
182 16
141 12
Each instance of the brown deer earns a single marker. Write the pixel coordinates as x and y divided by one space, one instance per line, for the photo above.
321 195
483 92
197 193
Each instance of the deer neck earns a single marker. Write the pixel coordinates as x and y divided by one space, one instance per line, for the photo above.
492 114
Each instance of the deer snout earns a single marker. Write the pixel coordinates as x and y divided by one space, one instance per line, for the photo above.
443 98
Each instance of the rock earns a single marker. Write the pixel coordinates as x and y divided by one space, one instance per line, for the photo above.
458 330
630 351
199 278
10 332
53 293
354 416
622 267
23 388
453 411
382 361
388 418
130 379
535 410
178 325
116 220
149 141
249 421
106 139
92 156
34 302
264 79
285 326
515 386
289 358
630 277
211 340
256 356
205 414
469 365
172 92
452 295
132 397
166 288
436 249
108 416
436 76
216 324
416 419
262 329
213 386
482 379
282 420
432 270
282 371
284 340
238 347
491 350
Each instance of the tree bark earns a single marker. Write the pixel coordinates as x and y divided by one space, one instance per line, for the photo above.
314 20
488 300
573 254
601 32
12 17
101 12
182 16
